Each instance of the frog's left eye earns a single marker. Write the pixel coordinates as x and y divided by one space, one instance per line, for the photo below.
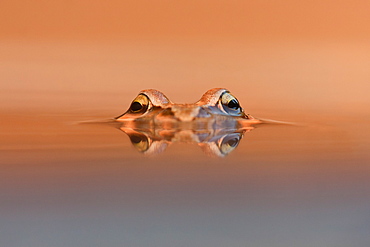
229 104
140 104
140 142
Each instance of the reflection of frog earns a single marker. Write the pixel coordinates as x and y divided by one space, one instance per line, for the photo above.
216 122
218 143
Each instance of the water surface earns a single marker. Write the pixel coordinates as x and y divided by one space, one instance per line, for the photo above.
69 184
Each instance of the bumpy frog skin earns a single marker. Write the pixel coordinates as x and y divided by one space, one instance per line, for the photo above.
216 122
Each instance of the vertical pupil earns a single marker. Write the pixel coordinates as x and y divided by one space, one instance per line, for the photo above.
233 104
136 106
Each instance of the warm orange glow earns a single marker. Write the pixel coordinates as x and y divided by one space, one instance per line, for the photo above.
223 19
66 61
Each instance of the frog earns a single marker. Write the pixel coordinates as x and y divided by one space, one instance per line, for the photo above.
216 122
217 104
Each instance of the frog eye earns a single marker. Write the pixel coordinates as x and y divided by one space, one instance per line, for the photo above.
229 143
140 104
140 142
229 104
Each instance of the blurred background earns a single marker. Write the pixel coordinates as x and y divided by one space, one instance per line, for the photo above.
271 54
65 184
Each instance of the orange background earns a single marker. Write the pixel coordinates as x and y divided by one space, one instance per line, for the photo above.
275 54
223 20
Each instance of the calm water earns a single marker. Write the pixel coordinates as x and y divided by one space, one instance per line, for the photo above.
69 184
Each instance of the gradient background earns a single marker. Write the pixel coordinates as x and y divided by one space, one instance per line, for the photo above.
64 184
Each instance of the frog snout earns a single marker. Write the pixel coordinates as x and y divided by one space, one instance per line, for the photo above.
185 113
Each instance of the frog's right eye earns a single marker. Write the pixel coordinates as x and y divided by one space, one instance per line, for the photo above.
229 143
140 104
230 105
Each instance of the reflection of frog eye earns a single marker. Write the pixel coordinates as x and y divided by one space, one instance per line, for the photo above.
229 143
229 104
140 104
140 142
